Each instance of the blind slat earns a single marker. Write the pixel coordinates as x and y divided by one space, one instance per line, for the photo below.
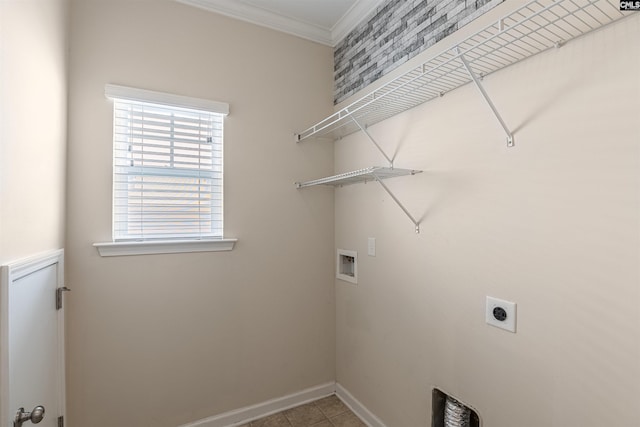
152 136
198 124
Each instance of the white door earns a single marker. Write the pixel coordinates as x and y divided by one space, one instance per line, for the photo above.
32 351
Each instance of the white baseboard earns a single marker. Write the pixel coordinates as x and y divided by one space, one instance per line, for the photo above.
358 408
244 415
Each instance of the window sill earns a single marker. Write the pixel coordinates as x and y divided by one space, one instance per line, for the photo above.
163 247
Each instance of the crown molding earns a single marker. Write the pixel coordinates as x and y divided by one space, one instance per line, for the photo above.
350 20
264 18
327 36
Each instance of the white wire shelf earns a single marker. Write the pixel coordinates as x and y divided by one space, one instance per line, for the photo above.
374 173
536 27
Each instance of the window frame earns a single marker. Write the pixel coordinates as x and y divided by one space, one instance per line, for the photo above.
153 245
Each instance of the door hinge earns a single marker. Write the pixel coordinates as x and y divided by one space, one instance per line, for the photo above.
59 292
61 421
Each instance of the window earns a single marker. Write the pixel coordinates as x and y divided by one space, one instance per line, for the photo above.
167 166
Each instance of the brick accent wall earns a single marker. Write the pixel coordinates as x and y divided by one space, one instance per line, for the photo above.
395 32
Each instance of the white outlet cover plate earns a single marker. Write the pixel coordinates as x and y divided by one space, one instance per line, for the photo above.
509 307
371 246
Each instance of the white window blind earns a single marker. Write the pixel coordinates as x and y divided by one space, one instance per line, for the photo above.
168 169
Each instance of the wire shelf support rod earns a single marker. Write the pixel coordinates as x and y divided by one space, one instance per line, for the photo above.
485 95
395 199
364 130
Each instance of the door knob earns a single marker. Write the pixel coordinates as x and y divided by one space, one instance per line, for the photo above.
34 416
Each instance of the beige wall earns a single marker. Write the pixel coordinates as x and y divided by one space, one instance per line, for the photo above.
33 116
551 224
168 339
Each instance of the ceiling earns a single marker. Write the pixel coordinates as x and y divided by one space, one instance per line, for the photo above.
323 21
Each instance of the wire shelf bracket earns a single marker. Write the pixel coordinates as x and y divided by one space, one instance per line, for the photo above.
395 199
486 97
373 173
373 141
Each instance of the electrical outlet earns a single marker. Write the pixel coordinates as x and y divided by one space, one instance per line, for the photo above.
501 314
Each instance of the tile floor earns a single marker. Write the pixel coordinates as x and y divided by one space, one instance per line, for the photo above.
326 412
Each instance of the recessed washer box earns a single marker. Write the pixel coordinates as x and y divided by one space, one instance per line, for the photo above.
347 265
